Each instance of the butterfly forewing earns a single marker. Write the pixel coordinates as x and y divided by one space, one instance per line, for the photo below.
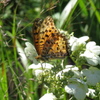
36 34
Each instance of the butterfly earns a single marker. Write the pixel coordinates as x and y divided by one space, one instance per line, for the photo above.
48 41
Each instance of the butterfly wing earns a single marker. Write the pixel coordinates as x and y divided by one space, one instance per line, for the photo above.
59 49
49 42
36 34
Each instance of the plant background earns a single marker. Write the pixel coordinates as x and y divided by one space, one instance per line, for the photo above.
16 18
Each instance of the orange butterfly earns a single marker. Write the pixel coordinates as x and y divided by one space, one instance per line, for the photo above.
48 41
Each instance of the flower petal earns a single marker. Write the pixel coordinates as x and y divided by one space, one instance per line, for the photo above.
91 92
90 44
96 50
72 40
48 96
91 58
83 39
41 66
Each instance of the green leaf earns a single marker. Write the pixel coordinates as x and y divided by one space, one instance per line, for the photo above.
92 74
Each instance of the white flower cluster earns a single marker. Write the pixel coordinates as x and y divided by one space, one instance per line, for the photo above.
76 84
92 51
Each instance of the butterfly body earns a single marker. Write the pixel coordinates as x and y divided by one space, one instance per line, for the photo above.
48 41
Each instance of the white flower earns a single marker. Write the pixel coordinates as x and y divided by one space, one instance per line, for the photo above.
48 96
67 69
38 73
92 53
92 74
75 42
92 47
77 87
91 92
40 68
72 40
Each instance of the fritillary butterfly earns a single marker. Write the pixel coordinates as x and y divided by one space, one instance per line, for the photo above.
48 41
